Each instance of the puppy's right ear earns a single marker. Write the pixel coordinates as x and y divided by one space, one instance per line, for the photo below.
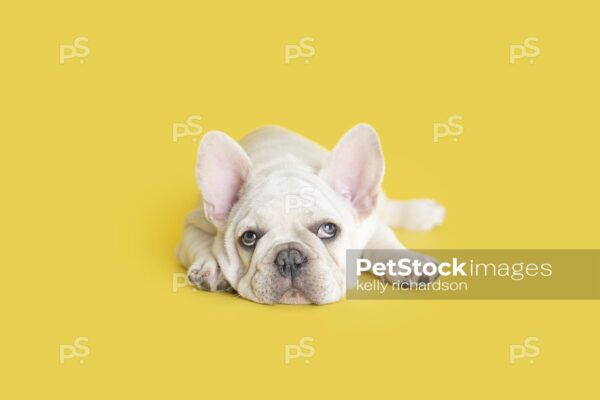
221 171
356 167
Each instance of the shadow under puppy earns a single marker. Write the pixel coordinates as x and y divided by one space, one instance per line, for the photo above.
278 212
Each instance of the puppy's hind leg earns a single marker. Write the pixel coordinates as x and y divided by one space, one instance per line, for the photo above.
414 215
384 246
195 253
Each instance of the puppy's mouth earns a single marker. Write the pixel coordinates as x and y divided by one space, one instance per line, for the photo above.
300 290
289 292
292 274
281 290
294 296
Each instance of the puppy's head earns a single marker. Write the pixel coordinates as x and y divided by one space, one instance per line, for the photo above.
283 233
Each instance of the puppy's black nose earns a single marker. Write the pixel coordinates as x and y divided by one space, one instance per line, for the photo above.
289 262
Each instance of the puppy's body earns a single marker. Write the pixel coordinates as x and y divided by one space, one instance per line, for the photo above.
272 148
286 190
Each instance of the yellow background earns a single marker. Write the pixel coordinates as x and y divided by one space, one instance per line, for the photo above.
94 191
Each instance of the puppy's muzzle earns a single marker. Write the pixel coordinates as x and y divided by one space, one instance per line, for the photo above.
290 262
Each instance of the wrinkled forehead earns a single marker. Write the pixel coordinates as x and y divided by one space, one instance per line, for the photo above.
282 199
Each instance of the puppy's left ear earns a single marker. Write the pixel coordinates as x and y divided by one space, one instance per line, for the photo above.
355 168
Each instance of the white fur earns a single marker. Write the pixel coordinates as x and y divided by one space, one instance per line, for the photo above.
283 185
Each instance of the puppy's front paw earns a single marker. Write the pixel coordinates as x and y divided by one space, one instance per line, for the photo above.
207 275
423 215
418 274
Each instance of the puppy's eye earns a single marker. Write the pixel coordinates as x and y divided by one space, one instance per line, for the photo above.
249 238
327 231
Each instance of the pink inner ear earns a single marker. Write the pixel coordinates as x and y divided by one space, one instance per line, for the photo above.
356 168
345 193
222 189
222 169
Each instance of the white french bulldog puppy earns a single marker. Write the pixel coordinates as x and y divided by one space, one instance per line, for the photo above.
279 211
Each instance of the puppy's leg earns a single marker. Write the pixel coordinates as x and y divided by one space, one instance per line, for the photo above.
195 253
384 239
415 215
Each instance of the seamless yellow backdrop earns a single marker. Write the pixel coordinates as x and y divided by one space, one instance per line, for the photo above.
95 191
